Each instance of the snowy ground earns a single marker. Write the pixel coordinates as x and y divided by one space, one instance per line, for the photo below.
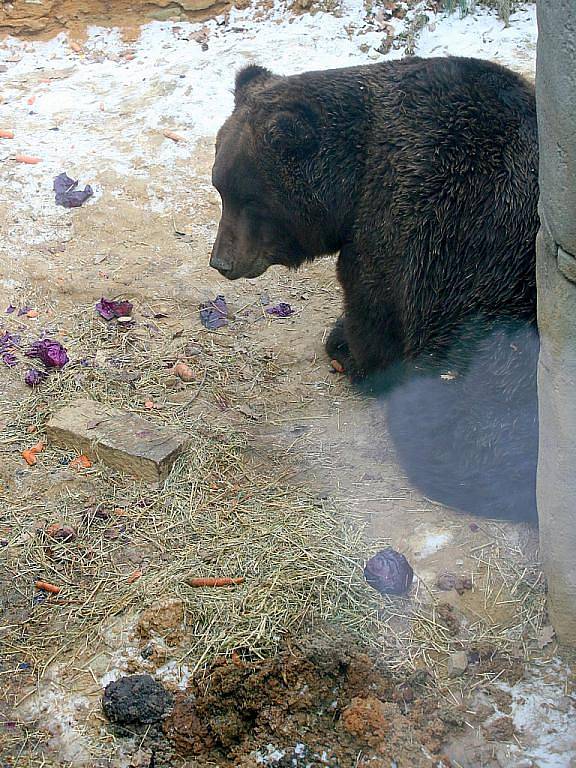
105 108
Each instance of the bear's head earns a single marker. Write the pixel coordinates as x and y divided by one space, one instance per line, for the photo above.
266 171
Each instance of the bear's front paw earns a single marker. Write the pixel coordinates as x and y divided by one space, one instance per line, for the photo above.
336 344
338 351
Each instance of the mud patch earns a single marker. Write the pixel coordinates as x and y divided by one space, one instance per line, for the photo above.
325 702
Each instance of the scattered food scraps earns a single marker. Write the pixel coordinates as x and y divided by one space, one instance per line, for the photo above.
447 581
10 309
23 311
174 136
9 359
184 372
337 366
8 340
34 377
29 455
50 352
60 532
222 581
280 310
45 586
32 313
108 308
134 576
214 314
389 572
66 193
6 134
27 159
81 462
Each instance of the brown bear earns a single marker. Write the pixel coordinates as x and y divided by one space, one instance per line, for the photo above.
422 175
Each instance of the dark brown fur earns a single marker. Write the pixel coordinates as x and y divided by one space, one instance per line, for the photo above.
422 175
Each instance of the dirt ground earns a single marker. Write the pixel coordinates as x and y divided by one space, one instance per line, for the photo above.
328 700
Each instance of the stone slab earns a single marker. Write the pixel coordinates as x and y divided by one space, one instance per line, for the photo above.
119 439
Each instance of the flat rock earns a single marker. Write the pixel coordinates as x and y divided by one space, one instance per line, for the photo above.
118 439
457 663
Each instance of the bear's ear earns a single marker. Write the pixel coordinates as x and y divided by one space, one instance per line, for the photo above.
294 130
247 77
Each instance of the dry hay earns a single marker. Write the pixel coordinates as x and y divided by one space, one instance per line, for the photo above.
226 510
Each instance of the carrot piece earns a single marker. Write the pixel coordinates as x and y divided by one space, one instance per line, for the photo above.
29 455
81 462
134 576
47 587
6 134
28 159
31 100
213 581
174 136
32 313
337 365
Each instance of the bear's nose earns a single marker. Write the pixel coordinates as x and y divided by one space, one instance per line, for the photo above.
218 259
218 263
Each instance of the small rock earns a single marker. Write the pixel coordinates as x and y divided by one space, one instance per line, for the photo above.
135 699
457 663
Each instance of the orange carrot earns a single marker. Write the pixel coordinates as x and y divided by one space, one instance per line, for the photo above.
6 134
28 159
29 455
134 576
337 365
47 587
81 462
211 581
32 313
31 100
174 136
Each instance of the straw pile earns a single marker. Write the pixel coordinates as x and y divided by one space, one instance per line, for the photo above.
226 510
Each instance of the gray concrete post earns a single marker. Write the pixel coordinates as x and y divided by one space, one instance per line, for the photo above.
556 277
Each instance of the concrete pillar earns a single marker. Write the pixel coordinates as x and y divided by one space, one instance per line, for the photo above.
556 276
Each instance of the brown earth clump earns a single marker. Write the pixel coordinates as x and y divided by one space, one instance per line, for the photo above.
48 18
